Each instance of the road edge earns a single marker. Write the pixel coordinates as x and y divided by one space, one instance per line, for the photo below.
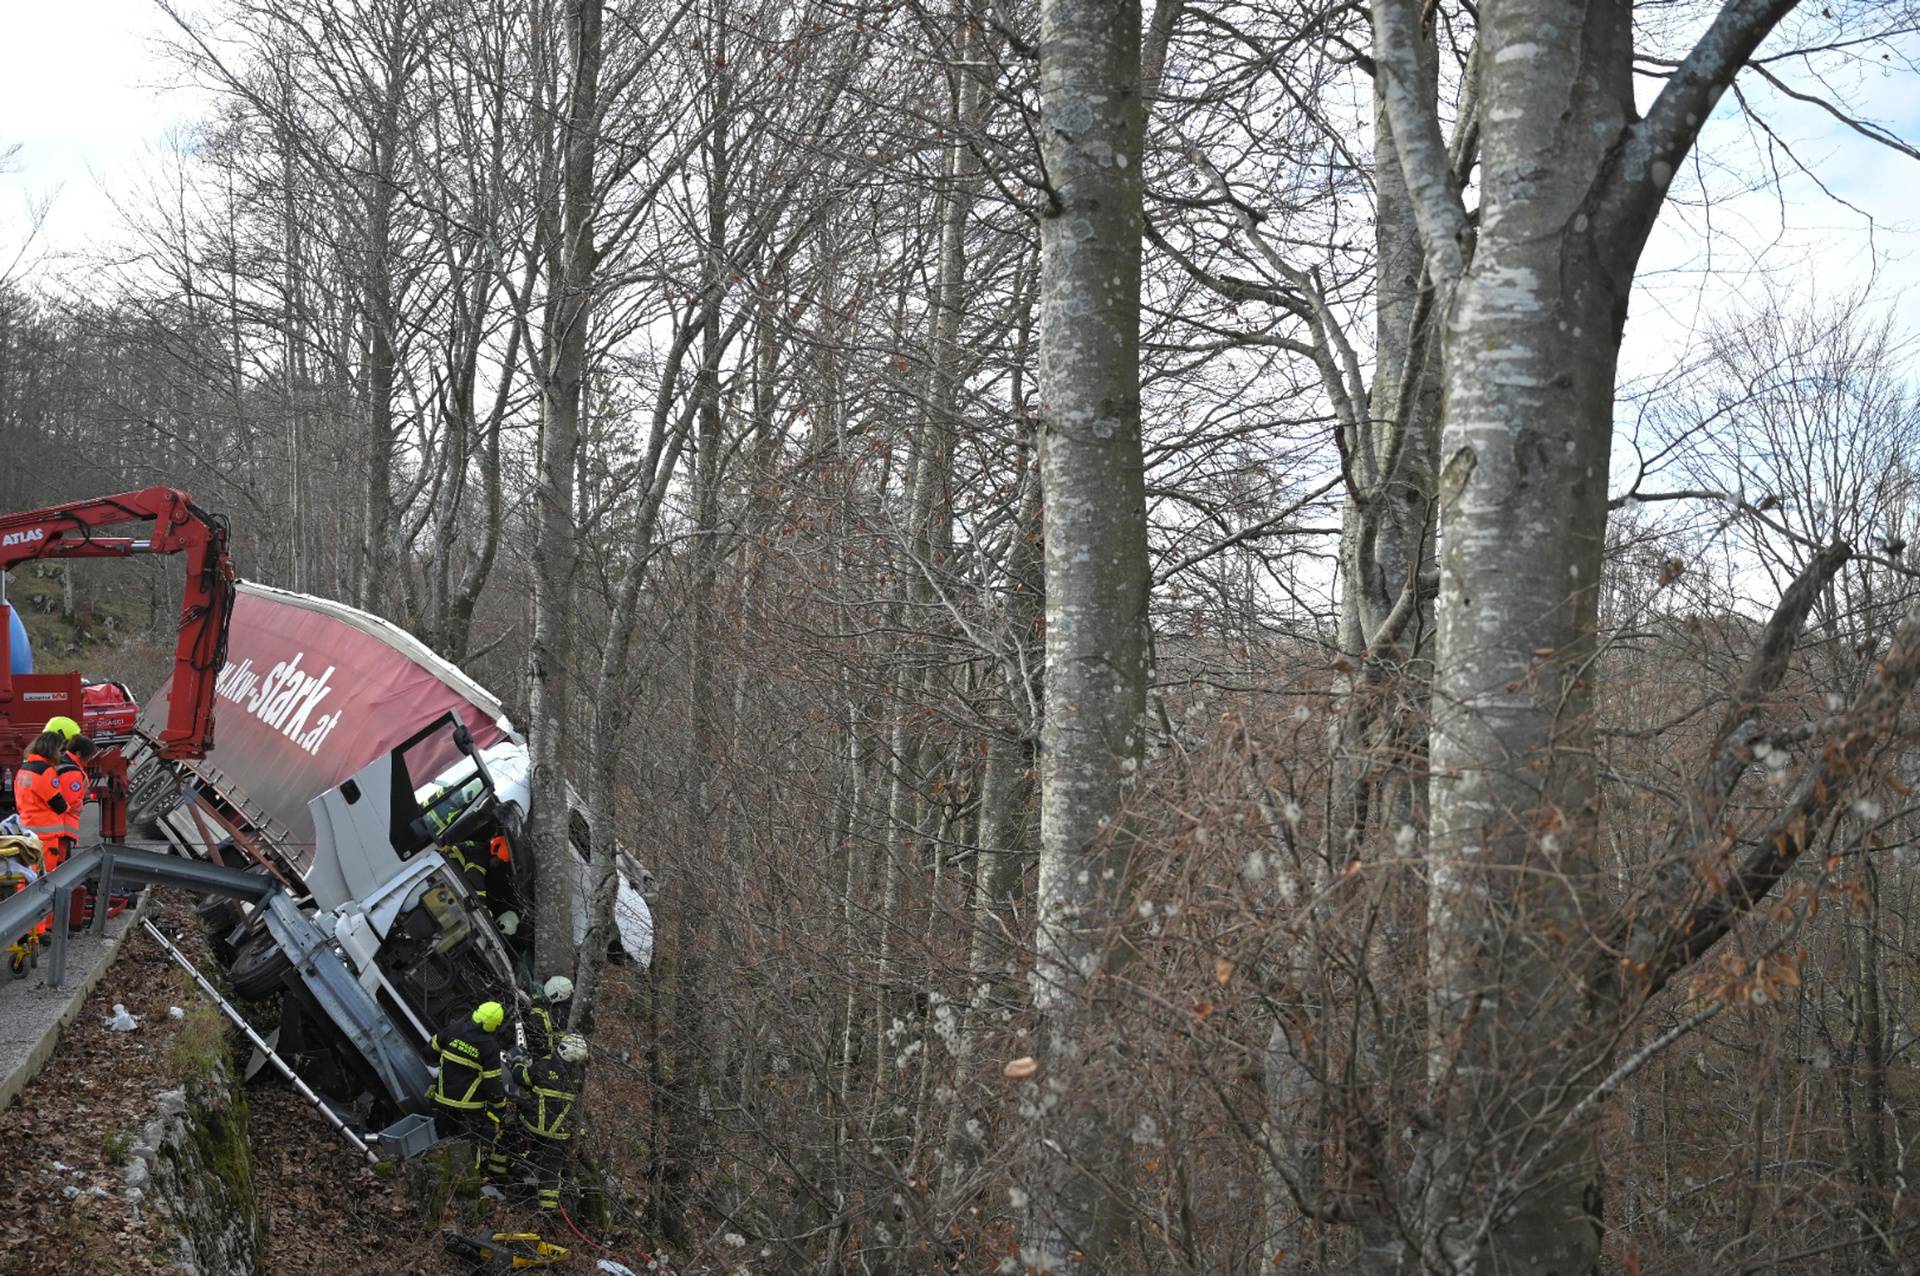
22 1074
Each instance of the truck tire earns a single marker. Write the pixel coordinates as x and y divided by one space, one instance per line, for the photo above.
259 969
220 917
218 914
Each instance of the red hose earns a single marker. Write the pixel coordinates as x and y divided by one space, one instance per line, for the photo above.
588 1241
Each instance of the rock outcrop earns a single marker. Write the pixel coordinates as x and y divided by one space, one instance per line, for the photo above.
191 1163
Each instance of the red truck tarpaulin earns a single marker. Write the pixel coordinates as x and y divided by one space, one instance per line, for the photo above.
312 691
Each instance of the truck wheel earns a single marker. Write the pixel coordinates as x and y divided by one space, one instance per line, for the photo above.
217 914
220 917
259 969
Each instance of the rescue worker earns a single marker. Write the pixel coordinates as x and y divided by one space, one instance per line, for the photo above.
77 781
473 858
549 1090
49 788
470 862
547 1017
470 1093
80 750
475 861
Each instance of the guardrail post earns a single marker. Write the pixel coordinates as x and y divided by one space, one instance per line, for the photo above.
102 892
57 944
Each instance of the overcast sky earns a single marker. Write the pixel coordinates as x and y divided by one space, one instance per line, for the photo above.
1807 239
84 94
90 100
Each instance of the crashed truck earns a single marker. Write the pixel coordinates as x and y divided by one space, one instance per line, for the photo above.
348 756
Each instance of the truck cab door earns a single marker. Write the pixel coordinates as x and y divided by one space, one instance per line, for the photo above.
367 827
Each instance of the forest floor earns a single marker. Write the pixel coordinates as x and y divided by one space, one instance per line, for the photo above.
69 1137
63 1201
64 1207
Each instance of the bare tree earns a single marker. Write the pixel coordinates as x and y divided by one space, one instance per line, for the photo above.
1093 493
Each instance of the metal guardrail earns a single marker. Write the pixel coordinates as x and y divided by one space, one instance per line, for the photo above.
108 865
322 973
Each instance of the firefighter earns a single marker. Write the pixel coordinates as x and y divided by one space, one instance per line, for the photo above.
549 1089
49 788
470 1091
543 1020
470 862
473 858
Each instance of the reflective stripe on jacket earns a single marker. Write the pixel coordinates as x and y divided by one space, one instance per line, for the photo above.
542 1032
470 1070
555 1091
466 857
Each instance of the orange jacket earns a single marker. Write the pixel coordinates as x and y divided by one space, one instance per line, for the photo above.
74 783
45 794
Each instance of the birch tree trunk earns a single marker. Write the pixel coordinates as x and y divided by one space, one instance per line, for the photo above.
1096 573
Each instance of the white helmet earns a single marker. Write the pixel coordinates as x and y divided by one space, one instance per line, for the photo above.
509 923
573 1048
559 988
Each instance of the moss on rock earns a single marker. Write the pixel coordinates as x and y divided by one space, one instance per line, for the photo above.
202 1176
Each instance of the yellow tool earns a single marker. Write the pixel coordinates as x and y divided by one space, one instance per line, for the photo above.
506 1251
19 864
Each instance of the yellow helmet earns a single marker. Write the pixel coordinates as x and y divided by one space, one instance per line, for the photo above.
64 725
489 1015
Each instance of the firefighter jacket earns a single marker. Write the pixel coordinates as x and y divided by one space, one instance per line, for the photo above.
49 796
543 1028
549 1089
469 860
470 1068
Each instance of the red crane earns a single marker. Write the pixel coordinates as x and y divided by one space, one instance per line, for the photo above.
178 526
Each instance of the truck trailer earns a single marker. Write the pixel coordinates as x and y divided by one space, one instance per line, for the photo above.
333 822
351 758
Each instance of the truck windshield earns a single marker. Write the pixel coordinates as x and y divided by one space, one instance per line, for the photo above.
442 805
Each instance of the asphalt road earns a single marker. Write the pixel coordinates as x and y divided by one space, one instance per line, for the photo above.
32 1015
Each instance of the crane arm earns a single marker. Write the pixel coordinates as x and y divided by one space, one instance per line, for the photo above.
178 526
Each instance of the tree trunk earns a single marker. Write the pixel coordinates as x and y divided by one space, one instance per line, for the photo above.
1535 296
1523 500
376 567
1097 582
1000 848
1873 1168
571 263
